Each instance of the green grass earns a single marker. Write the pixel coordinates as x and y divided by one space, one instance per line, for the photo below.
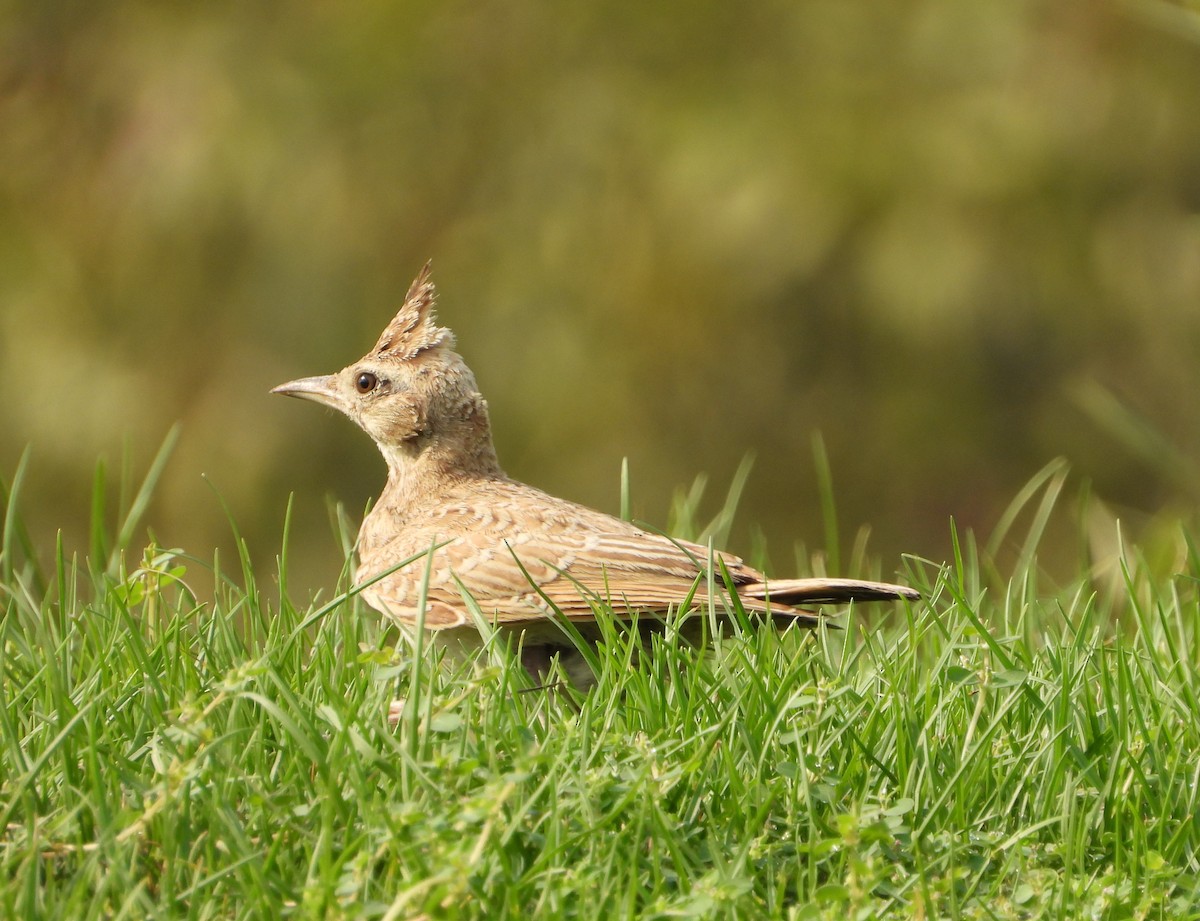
1007 748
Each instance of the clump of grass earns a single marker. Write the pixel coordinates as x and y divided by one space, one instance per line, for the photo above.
1003 749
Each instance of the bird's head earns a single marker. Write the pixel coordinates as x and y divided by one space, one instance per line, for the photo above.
412 393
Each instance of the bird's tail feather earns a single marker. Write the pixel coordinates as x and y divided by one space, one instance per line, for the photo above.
826 591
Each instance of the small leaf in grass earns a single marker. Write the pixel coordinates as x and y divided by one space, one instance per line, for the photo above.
516 777
875 833
365 749
819 849
1009 678
697 906
901 807
131 593
824 793
1023 893
959 675
370 656
803 699
832 892
447 721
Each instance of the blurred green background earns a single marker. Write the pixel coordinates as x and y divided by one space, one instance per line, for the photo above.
958 239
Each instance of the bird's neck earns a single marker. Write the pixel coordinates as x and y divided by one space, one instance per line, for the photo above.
420 472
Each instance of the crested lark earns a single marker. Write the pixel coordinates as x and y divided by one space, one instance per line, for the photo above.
517 550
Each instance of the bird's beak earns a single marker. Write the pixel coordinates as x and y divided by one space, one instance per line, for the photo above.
321 390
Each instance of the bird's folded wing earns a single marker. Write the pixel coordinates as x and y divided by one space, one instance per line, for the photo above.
521 578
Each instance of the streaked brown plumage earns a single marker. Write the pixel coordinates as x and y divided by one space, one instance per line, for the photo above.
415 397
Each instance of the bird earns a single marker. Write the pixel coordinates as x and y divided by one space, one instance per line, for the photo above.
450 524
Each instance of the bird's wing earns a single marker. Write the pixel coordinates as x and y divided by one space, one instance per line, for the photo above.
517 563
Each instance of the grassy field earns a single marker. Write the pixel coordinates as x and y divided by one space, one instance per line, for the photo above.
1006 748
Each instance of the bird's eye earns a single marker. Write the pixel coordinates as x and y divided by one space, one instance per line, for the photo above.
366 382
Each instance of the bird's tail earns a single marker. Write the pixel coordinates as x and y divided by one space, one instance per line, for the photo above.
826 591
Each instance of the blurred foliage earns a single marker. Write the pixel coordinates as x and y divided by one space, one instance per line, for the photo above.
957 239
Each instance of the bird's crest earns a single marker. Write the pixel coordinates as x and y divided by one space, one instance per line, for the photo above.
414 328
